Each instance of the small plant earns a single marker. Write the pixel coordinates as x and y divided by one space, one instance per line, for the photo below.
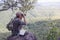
52 35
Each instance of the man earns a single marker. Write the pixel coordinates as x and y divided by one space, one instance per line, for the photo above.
18 23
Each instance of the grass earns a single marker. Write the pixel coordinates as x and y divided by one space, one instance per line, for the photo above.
40 26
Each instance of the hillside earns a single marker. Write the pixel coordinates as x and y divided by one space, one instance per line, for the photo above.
39 20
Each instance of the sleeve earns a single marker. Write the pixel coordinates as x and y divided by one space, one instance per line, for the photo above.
22 23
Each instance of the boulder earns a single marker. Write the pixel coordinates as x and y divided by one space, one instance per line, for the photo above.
27 36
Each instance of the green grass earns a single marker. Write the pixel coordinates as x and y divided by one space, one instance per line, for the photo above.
40 26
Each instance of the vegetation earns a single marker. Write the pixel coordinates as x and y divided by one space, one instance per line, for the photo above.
23 5
44 29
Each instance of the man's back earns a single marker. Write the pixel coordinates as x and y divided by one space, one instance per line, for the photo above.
16 23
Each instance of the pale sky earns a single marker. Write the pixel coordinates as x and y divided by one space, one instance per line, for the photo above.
48 0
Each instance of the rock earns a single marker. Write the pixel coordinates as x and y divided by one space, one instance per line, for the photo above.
27 36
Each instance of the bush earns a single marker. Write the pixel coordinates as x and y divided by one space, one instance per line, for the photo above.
52 35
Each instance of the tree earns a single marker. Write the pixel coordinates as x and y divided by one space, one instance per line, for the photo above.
26 5
23 5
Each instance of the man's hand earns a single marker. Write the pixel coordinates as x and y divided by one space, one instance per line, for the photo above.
24 17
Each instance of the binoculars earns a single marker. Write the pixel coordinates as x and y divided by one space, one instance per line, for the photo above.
23 14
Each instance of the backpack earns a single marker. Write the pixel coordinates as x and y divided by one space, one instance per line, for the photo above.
10 25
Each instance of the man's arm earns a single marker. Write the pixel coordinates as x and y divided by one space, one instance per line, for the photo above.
22 22
24 19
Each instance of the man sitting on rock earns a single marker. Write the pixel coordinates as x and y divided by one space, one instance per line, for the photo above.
17 23
18 33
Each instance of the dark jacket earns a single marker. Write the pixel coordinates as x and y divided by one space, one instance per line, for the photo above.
17 25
